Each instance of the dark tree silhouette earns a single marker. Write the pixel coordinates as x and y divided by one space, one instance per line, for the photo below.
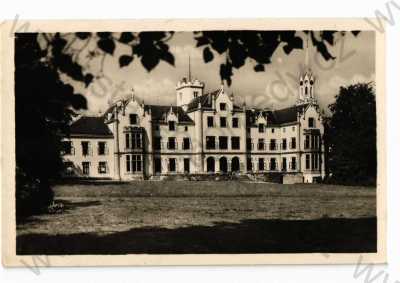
43 110
351 136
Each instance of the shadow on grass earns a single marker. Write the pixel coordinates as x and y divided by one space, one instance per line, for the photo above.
69 205
249 236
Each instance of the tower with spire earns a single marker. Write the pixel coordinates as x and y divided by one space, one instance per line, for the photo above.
188 89
306 82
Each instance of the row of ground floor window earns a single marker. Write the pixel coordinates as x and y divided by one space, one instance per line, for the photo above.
135 164
222 164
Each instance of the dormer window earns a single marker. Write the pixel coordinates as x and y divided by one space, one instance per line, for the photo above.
222 106
171 125
133 119
261 128
311 122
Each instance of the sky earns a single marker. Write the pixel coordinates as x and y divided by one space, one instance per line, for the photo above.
275 88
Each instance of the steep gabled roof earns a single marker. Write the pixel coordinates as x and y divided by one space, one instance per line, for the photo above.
90 127
160 112
285 115
205 100
274 117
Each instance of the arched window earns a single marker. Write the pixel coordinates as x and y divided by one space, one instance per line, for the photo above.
223 165
235 166
210 165
306 90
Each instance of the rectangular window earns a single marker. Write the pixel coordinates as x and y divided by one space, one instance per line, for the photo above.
307 161
260 144
261 128
195 94
307 142
133 119
127 140
235 122
261 164
223 142
293 143
272 145
86 168
235 142
85 148
171 143
186 165
101 149
136 140
222 121
210 121
157 143
294 165
315 161
171 125
102 169
172 165
284 144
67 148
136 163
222 106
311 122
284 164
272 130
272 164
210 142
128 163
186 143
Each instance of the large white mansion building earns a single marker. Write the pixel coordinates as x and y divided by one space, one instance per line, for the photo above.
202 134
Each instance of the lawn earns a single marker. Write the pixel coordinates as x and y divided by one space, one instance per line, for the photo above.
203 217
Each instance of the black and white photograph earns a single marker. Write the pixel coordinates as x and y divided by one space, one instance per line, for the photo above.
202 141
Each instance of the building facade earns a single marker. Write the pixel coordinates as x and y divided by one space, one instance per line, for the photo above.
203 134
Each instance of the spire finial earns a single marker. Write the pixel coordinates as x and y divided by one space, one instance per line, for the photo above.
307 59
132 93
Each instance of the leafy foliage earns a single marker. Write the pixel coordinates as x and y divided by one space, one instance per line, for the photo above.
43 110
351 136
237 47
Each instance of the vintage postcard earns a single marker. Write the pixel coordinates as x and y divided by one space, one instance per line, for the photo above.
193 142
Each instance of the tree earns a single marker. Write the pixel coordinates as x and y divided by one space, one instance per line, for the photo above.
351 136
44 107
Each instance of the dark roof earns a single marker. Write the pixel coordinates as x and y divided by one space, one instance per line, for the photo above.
205 101
90 127
285 115
274 117
160 112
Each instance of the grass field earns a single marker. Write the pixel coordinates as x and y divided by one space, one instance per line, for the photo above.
203 217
